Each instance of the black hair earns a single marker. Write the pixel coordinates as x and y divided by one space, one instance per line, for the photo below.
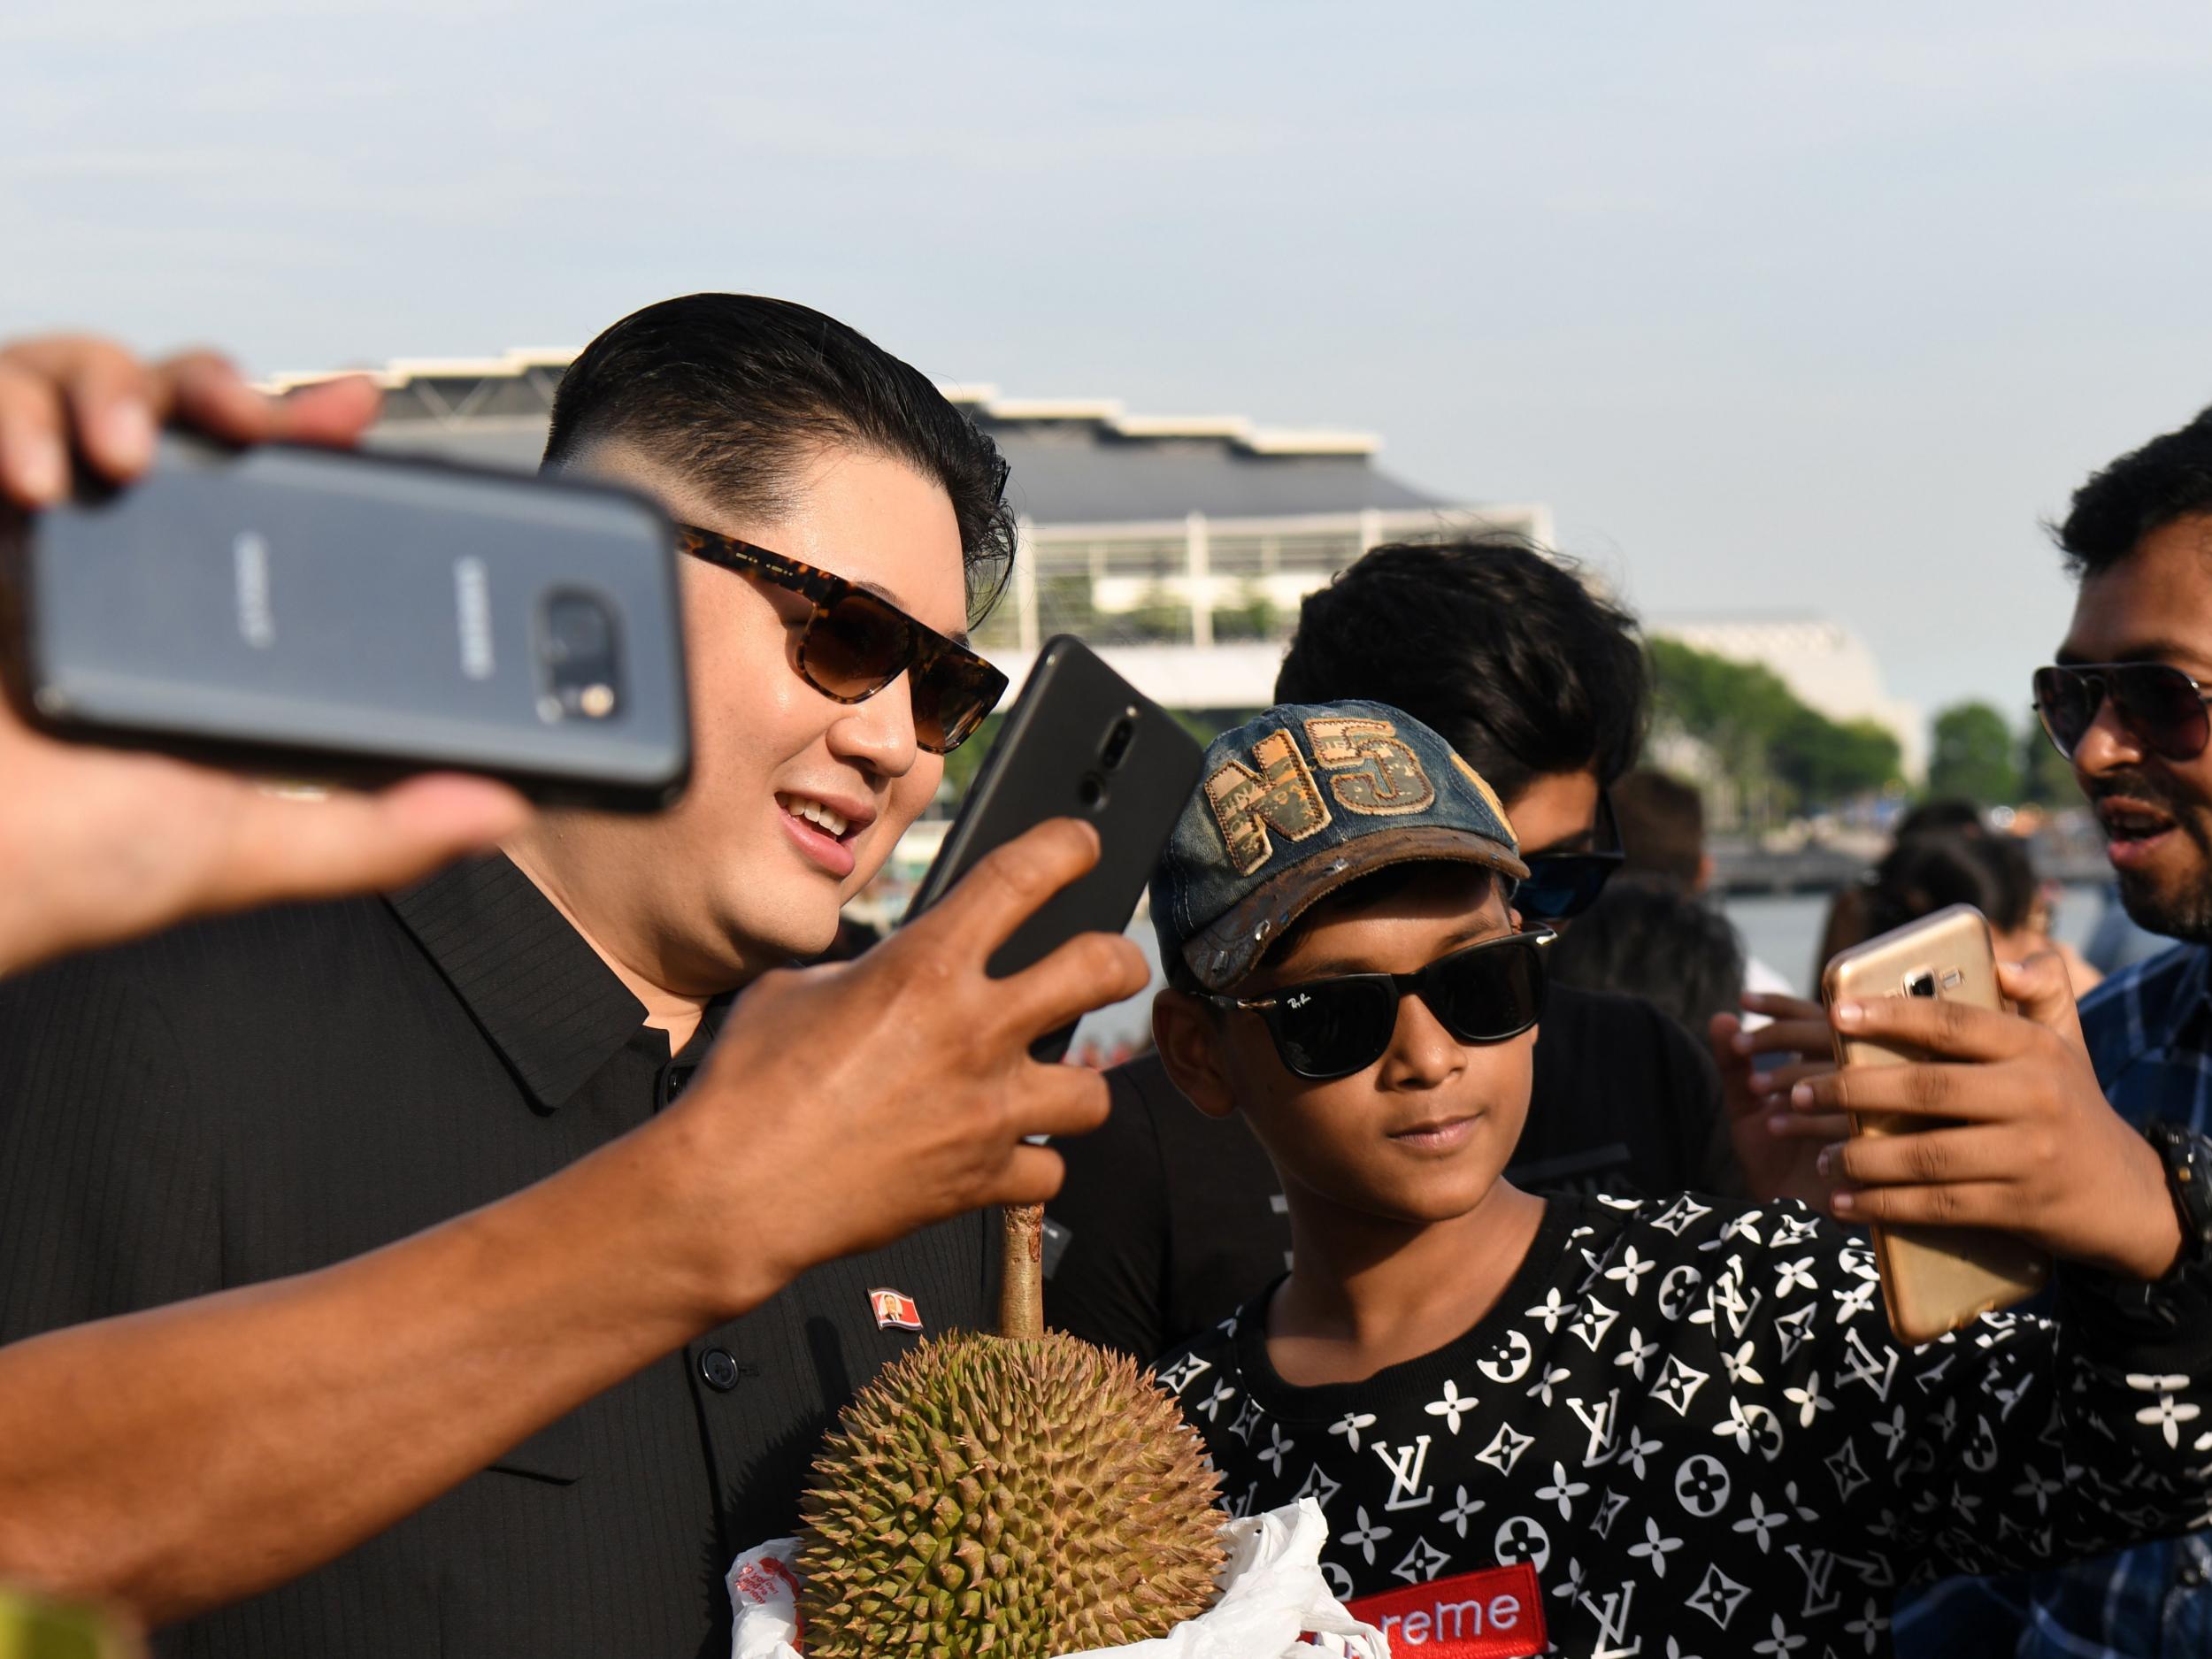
2146 489
734 391
1945 815
1650 939
1497 645
1661 822
1924 873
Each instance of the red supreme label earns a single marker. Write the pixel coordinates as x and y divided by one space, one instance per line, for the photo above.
1494 1614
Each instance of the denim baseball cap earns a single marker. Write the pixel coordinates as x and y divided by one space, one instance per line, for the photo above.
1296 802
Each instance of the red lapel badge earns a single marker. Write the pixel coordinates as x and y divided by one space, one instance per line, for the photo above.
894 1310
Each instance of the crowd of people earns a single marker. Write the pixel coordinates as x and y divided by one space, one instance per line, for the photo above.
429 1224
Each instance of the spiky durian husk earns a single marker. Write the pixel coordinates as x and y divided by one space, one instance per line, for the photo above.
1015 1497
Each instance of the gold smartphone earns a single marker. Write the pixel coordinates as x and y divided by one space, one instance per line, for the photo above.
1933 1279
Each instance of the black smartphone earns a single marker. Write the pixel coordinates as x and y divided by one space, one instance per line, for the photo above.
1079 742
330 614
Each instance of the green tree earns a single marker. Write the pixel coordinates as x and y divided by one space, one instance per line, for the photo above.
2047 776
1826 760
1776 752
1976 757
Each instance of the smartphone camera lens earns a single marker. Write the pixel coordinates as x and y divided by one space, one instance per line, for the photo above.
1117 741
576 649
1920 983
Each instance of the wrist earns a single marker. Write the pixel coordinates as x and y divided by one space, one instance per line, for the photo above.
2152 1239
2184 1159
715 1247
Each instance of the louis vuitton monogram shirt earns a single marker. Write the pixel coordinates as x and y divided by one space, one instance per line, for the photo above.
1685 1429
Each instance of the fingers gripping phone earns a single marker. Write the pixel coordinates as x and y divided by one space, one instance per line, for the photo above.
1080 742
321 614
1933 1279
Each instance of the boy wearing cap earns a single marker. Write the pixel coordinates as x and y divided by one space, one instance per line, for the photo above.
1661 1428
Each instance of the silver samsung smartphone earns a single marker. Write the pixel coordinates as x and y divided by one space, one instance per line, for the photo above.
330 614
1079 742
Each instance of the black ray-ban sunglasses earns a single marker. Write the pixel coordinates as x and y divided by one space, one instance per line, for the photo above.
2162 708
856 642
1562 886
1330 1028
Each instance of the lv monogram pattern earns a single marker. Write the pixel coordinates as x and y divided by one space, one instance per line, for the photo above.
1693 1422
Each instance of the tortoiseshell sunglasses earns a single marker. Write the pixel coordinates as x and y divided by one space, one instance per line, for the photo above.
856 642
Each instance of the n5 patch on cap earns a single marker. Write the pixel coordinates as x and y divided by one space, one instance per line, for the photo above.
1298 802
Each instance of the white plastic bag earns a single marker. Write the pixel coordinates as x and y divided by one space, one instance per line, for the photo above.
1272 1595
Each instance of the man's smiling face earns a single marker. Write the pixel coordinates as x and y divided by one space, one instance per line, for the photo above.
2154 605
795 799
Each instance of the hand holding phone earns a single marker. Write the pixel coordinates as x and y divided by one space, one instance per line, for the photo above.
2011 1138
1080 742
102 843
317 615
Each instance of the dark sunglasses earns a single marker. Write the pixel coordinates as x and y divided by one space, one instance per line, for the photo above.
856 642
1330 1028
1562 886
2162 708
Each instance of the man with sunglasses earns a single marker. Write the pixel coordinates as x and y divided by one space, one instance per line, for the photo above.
2126 703
418 1246
1540 684
1575 1424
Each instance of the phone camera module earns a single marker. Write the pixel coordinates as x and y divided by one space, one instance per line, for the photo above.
576 653
1115 749
1920 983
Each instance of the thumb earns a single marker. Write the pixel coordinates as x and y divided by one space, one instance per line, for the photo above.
2040 988
283 849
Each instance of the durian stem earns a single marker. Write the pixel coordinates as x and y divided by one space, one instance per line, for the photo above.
1021 1295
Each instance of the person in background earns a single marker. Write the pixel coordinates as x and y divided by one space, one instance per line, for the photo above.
1846 913
2124 703
1927 871
1541 685
1662 837
1650 939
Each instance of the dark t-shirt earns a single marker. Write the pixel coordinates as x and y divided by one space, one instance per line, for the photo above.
1685 1428
244 1099
1169 1218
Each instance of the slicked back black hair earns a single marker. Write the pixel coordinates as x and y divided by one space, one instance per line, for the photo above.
2169 478
735 391
1494 643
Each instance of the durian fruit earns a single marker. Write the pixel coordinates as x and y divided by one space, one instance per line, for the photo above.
1020 1495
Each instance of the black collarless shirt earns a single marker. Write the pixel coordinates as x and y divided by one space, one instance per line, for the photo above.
239 1100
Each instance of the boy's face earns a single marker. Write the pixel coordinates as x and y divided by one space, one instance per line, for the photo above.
1423 1133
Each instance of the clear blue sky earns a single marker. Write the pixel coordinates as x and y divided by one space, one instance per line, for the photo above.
1778 309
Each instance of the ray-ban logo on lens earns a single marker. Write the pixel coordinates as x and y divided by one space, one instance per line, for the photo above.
249 569
472 609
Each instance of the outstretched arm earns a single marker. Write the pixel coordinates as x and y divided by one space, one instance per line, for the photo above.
193 1454
100 844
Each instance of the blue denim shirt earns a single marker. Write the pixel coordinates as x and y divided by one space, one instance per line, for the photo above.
2149 1030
